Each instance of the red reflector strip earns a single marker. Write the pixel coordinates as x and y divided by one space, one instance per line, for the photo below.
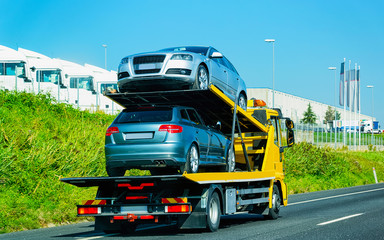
130 187
87 210
177 208
136 197
134 217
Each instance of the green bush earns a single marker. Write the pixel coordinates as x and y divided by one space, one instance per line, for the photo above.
311 168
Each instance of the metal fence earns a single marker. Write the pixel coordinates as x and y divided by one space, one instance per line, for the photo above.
353 140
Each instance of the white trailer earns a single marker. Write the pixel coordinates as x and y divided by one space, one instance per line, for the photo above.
105 82
81 85
13 74
46 75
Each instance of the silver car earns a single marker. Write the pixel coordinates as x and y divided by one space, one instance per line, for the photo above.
191 67
165 139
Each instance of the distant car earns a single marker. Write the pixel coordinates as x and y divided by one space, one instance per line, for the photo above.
190 67
164 140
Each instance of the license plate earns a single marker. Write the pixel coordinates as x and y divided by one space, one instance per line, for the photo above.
147 66
133 136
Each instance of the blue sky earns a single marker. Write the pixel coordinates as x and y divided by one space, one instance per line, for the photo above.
310 37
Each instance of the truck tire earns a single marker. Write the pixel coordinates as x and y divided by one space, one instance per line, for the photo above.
213 212
192 160
276 202
115 172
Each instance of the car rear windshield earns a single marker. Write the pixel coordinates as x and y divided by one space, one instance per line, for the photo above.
200 50
145 115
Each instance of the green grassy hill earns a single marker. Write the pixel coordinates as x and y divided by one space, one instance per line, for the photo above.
42 141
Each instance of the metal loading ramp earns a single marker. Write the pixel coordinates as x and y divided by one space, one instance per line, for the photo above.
212 104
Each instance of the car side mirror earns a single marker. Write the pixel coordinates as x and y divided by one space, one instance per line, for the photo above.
217 126
216 55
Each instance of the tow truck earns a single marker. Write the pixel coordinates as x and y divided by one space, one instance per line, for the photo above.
199 200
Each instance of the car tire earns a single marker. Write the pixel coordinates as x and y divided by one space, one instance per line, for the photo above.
230 160
202 78
115 172
242 101
192 160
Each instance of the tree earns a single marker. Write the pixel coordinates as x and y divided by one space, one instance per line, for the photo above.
330 114
309 116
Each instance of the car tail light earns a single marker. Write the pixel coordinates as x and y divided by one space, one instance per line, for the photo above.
112 130
171 128
177 208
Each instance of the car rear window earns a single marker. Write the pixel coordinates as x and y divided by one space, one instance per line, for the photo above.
151 115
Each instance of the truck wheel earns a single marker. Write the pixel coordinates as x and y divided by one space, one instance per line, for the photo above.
202 78
214 212
230 160
276 201
192 161
115 172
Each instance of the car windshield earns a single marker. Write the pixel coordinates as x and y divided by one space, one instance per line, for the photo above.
199 50
145 115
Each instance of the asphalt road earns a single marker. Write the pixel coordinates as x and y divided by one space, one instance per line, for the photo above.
349 213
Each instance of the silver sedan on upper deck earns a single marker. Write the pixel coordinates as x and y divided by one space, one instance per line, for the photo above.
190 67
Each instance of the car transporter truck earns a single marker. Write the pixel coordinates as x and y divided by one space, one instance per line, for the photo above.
199 200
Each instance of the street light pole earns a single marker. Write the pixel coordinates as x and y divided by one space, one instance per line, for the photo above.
105 56
334 69
273 69
371 86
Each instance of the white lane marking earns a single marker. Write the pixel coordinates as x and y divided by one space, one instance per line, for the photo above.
113 234
340 219
337 196
99 236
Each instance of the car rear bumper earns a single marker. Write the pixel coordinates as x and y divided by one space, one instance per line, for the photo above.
144 156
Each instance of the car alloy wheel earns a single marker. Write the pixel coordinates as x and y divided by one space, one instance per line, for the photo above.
192 163
201 78
242 102
230 167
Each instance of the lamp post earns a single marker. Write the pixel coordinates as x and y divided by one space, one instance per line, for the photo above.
334 69
105 56
273 69
371 86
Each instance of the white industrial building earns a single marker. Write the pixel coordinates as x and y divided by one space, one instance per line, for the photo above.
294 106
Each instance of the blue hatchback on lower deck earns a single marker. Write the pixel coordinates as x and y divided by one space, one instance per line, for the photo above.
164 139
